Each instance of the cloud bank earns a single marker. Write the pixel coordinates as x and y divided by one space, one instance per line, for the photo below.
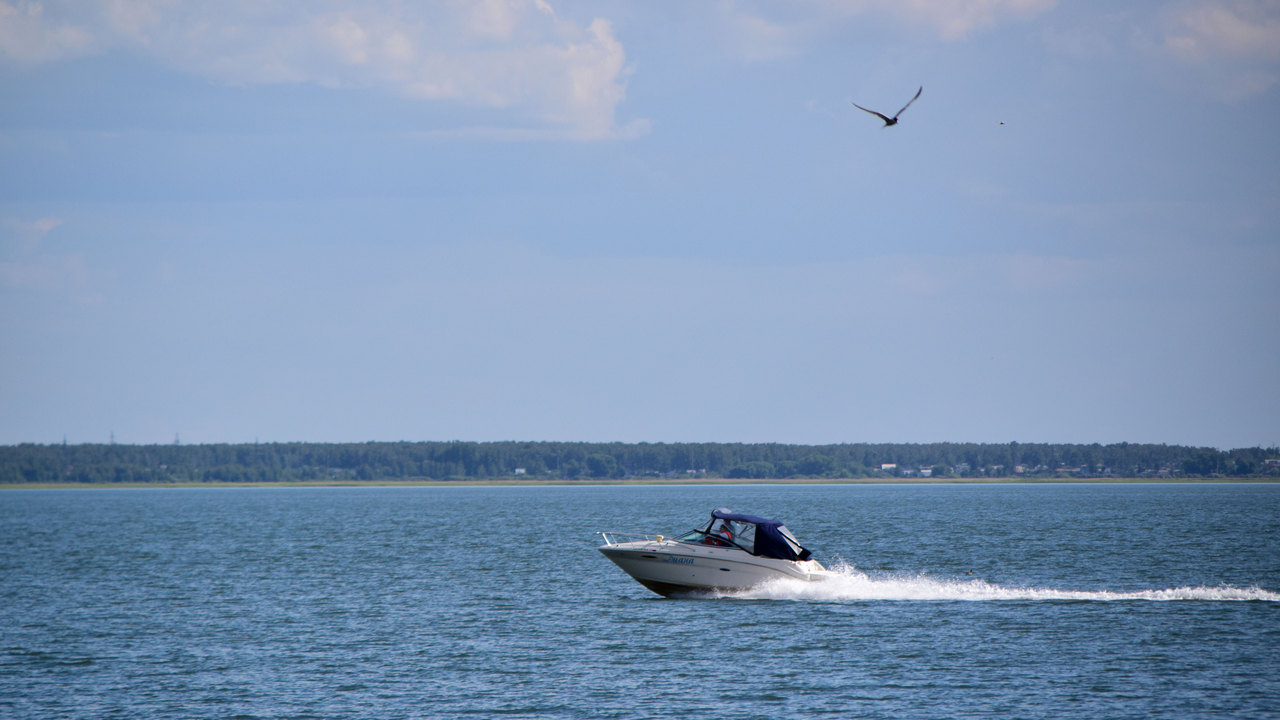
1226 29
566 78
1231 46
764 35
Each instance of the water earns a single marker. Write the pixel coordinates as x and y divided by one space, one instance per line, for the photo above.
1089 601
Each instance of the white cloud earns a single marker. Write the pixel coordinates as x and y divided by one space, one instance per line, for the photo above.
764 38
1230 47
1241 29
512 54
28 36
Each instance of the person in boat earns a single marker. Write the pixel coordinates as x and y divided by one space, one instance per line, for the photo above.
723 536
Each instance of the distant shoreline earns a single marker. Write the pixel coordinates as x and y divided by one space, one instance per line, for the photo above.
530 463
650 482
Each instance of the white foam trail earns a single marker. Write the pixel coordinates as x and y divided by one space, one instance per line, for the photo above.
850 584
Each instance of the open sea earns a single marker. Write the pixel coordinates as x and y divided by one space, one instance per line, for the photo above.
955 601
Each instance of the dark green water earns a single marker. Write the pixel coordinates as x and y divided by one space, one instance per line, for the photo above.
1075 601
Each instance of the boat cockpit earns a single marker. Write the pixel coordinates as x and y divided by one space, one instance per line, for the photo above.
751 534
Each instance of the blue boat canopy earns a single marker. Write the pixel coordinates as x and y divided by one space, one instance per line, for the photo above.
757 535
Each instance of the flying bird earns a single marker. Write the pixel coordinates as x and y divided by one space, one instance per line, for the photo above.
891 120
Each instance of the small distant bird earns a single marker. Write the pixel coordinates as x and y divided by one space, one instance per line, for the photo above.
890 120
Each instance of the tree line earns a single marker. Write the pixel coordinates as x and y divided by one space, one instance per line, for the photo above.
459 460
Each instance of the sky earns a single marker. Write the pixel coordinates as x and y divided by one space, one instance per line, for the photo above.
228 221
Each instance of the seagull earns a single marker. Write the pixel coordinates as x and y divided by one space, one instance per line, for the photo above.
890 120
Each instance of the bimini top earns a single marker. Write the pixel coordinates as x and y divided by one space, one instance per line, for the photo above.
757 535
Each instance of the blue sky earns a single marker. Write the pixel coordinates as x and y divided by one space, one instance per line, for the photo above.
617 221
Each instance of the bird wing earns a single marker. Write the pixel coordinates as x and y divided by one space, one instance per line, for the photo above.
873 112
904 107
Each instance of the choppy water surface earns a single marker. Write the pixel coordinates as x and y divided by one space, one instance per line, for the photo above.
1117 601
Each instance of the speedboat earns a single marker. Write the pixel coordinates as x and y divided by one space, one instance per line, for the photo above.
731 552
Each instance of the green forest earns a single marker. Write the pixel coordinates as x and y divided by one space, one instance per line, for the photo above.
559 461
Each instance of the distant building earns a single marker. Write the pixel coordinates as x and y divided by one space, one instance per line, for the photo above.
520 471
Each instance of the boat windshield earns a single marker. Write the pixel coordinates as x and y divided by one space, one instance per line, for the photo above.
724 533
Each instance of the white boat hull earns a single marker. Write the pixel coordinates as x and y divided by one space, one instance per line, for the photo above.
668 567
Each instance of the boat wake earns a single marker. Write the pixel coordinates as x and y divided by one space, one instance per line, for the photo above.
850 584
